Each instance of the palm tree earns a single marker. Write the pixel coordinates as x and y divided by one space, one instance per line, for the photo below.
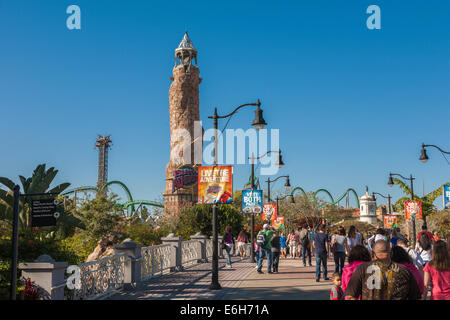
427 200
38 183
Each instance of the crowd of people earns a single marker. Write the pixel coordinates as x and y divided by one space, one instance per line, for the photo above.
381 267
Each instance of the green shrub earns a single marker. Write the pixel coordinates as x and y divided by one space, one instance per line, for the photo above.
145 234
81 244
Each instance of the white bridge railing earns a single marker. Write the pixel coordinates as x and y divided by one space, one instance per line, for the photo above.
100 278
156 260
131 265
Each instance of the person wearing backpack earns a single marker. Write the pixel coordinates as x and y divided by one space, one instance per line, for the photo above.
305 242
265 249
338 247
423 247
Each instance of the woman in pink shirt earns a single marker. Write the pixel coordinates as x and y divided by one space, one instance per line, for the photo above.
402 257
438 271
357 255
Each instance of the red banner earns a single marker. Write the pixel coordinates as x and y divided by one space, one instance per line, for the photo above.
413 207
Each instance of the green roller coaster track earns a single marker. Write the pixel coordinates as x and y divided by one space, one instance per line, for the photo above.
129 204
329 195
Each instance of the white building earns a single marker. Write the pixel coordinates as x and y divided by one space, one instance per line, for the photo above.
368 208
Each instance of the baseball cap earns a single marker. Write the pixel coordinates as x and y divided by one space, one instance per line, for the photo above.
265 226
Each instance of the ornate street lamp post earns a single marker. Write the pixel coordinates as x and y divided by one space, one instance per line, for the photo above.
423 153
389 202
411 179
258 124
287 185
280 164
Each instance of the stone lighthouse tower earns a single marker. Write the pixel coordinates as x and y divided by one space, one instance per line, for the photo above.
368 208
185 139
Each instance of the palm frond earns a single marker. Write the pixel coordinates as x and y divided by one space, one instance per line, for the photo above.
433 195
60 188
7 182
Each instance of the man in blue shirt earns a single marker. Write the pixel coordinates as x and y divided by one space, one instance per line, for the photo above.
320 245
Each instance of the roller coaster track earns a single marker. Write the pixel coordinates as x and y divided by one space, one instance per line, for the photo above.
129 204
300 189
333 202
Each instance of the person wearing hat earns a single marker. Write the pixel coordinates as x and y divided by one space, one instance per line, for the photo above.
266 248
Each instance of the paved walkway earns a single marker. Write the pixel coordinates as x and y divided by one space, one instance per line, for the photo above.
242 282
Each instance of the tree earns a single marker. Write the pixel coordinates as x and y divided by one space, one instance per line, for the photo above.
101 216
199 219
439 221
306 207
427 201
39 182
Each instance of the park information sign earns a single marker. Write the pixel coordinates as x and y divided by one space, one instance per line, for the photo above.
269 212
413 207
215 184
446 196
252 201
389 220
278 223
44 213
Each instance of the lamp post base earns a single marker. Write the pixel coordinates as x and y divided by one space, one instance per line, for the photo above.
215 286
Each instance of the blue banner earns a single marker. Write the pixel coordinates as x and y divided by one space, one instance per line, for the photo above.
252 201
446 196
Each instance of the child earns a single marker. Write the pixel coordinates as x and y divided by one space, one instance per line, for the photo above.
336 292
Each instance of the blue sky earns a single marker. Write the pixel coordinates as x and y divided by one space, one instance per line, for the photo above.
351 104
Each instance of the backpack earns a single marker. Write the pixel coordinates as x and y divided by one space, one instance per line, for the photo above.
425 241
261 239
304 241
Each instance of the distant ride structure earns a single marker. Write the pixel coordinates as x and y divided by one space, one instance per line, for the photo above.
103 143
332 201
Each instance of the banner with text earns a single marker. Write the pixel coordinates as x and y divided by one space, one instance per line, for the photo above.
413 207
252 201
446 196
215 184
269 212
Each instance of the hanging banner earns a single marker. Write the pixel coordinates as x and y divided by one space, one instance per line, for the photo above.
252 201
389 221
446 194
269 212
215 184
413 207
278 223
185 177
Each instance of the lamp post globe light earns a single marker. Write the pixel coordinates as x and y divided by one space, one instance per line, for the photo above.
280 164
258 123
411 179
423 154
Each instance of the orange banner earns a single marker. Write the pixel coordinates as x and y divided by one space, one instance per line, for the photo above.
269 212
215 184
389 220
278 223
